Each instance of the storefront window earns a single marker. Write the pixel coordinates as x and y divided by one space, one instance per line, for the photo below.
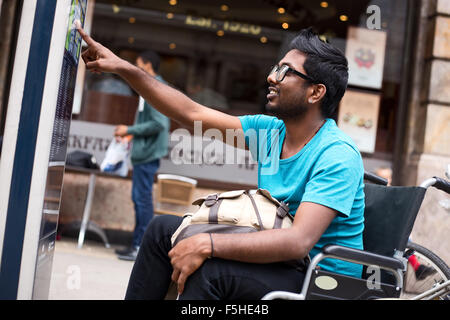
220 52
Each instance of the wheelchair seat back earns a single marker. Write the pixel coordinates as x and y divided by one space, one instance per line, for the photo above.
389 216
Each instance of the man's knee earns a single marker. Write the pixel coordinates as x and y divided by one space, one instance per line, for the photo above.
161 226
228 279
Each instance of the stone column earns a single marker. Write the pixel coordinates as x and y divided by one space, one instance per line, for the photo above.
429 142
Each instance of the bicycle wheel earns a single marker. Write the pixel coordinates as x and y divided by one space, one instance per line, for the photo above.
414 285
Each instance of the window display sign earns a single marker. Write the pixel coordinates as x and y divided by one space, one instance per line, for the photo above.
365 52
227 26
205 159
358 117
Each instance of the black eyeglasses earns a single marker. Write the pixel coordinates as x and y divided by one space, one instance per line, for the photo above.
284 69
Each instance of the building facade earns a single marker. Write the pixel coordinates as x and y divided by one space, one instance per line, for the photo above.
397 106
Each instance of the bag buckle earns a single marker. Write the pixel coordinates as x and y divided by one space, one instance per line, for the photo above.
282 210
211 200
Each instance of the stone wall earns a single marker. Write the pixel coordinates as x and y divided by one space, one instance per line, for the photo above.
432 227
430 145
112 207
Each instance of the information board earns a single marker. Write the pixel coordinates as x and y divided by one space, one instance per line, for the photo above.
58 150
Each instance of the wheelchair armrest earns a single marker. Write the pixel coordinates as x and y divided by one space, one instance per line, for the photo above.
347 254
362 257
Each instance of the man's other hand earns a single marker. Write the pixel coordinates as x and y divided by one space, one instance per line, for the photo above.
187 256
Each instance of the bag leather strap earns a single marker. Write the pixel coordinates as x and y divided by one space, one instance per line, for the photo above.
256 210
282 211
213 202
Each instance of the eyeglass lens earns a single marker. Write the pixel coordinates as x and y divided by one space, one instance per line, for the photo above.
281 72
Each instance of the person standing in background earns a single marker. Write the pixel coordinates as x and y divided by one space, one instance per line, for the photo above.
150 137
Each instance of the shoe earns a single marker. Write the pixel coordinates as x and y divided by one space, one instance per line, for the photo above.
129 254
124 251
423 272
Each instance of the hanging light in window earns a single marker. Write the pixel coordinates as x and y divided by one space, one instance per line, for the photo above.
116 8
343 18
324 4
285 25
281 10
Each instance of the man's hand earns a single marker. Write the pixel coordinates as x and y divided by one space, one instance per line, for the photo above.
121 131
97 57
187 256
121 134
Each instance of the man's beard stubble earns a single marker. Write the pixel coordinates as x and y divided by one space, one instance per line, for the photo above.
288 111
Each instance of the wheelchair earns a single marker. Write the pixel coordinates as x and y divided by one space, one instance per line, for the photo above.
389 216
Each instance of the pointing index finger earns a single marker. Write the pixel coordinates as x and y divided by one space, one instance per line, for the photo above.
83 34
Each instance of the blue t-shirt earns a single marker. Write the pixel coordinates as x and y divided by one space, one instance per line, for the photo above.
328 171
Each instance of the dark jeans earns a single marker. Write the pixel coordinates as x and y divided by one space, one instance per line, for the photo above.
215 279
141 194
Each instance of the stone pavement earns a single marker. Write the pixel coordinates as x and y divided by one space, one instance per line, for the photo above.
90 273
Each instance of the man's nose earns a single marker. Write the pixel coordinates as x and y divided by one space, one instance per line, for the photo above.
272 78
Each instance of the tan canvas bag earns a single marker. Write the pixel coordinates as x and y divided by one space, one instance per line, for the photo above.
240 211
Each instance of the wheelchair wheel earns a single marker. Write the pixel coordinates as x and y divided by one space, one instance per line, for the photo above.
437 272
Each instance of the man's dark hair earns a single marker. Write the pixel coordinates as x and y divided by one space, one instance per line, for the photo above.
152 57
325 64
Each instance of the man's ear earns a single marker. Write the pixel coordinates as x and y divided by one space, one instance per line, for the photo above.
317 93
150 69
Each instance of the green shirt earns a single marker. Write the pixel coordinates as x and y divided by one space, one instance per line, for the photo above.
150 135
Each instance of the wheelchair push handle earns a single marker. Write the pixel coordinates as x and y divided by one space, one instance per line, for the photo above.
374 178
442 184
438 183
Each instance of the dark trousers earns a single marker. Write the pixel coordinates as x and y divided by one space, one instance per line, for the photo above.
215 279
141 194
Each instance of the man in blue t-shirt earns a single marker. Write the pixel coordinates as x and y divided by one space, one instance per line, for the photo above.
303 159
328 171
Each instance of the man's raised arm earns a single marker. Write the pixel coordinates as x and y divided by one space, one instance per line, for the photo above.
169 101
